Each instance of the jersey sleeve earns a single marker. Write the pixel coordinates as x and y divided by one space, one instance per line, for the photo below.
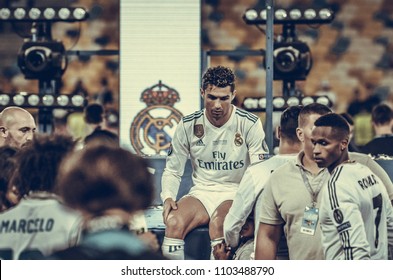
175 163
241 208
389 218
256 142
345 213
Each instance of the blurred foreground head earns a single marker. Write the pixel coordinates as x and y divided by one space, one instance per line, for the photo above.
101 178
38 162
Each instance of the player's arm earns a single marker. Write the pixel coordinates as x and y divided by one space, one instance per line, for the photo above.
270 223
174 169
169 205
256 142
346 216
241 208
389 221
381 173
267 241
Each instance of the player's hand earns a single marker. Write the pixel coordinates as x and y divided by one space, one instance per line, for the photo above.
221 252
169 205
150 239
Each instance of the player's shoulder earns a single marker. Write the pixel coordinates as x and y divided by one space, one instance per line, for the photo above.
351 167
192 117
272 162
281 172
264 168
13 211
349 172
360 157
55 209
246 116
289 166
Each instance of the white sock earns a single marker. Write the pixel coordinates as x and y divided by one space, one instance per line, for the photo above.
213 243
173 248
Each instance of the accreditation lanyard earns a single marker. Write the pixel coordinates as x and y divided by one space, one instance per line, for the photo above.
314 194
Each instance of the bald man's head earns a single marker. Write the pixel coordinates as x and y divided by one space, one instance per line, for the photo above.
17 126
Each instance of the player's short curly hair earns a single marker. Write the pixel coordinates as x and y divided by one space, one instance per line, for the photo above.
218 76
99 178
37 163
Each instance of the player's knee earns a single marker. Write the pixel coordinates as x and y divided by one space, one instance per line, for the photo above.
174 227
216 227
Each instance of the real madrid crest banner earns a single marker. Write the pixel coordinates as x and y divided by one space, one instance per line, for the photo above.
160 62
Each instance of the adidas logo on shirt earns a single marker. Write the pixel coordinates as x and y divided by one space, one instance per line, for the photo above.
200 143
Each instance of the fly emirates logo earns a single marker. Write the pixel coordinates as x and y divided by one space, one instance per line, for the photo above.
220 162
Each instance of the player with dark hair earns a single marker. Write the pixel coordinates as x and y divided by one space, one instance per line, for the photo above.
39 223
356 213
221 141
108 185
257 174
94 118
352 147
7 167
382 120
2 140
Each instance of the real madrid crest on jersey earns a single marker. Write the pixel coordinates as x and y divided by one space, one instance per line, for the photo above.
238 139
199 131
152 129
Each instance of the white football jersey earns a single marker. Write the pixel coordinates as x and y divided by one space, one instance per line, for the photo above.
219 155
356 215
250 188
36 227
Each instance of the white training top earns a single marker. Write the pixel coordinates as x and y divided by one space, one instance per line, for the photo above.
36 227
219 155
250 188
356 215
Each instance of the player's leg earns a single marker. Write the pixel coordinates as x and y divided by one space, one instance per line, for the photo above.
190 214
216 225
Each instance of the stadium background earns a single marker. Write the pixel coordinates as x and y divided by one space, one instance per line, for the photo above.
353 54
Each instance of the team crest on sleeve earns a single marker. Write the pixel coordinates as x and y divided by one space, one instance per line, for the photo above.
263 156
338 216
199 131
152 129
238 139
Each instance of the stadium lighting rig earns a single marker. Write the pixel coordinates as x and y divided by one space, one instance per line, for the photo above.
290 16
258 104
44 59
33 100
46 14
291 57
41 57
